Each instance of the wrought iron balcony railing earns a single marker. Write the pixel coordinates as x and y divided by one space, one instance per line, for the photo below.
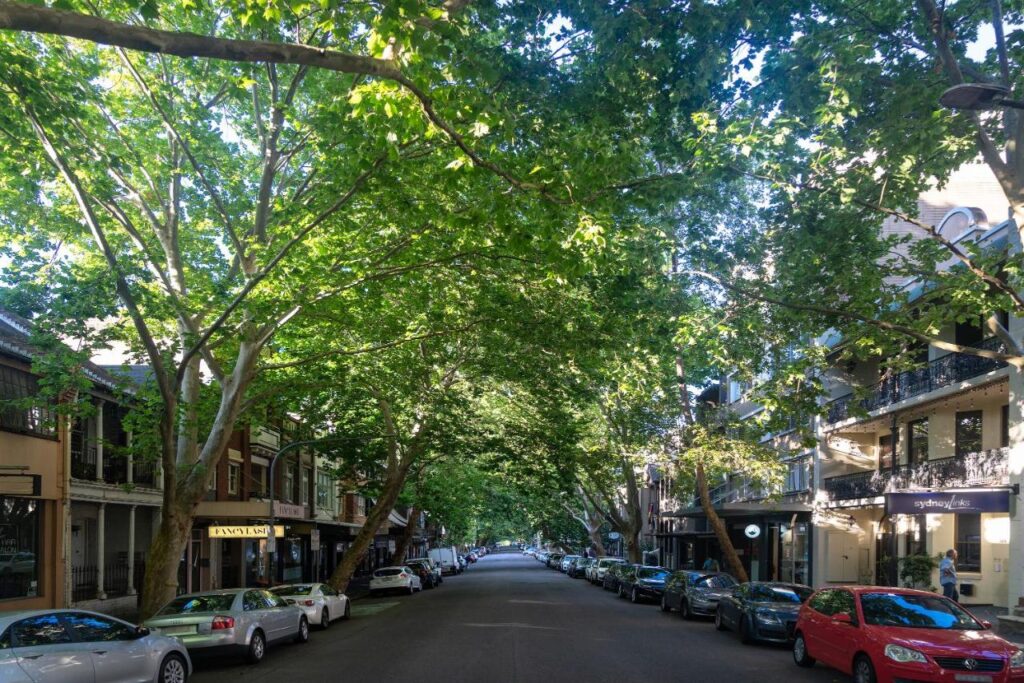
941 372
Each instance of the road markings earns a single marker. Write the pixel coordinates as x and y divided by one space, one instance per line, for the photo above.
536 602
514 624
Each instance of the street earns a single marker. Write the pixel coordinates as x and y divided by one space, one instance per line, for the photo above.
510 619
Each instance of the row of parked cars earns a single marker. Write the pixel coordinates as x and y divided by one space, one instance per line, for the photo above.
874 633
79 646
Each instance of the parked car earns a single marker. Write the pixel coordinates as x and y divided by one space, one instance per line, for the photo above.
44 646
578 569
601 567
447 558
434 567
17 563
566 561
237 620
321 603
401 578
696 592
646 583
613 577
554 560
885 634
762 610
426 573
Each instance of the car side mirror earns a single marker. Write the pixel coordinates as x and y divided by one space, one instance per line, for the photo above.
141 631
986 625
842 618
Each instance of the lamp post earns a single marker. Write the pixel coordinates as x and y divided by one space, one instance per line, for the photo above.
978 97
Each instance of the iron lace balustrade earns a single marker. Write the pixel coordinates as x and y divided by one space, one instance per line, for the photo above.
939 373
83 462
868 484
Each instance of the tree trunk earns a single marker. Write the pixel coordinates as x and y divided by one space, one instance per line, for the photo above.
596 542
631 538
364 539
732 560
411 527
163 558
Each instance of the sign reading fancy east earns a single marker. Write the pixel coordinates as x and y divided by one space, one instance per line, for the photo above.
946 502
257 531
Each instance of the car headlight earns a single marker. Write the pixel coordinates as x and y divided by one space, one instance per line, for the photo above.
767 616
1017 659
898 653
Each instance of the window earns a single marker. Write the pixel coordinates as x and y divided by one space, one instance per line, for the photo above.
832 602
968 543
304 486
93 628
288 488
1004 428
19 547
259 480
797 476
22 387
234 473
325 494
213 482
885 452
45 629
253 600
968 432
917 441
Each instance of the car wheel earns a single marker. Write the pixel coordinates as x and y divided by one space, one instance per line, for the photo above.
664 604
863 671
325 619
684 609
800 655
257 648
619 591
719 623
348 610
173 669
634 597
745 635
411 589
303 635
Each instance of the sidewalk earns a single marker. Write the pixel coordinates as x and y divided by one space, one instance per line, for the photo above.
991 614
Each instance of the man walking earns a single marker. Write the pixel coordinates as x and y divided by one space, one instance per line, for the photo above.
947 576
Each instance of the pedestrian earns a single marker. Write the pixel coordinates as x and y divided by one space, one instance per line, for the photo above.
710 564
947 575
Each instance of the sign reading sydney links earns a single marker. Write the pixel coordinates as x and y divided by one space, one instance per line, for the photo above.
946 502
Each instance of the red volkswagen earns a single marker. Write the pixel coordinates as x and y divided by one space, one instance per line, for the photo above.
897 635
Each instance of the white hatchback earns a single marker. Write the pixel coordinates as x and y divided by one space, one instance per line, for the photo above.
395 579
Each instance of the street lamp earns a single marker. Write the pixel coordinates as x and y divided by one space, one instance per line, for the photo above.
978 97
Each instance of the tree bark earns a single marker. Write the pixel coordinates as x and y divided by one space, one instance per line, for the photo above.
732 560
163 557
411 527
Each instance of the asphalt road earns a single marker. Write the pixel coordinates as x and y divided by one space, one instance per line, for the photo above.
509 619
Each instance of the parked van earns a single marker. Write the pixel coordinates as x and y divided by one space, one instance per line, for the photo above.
447 558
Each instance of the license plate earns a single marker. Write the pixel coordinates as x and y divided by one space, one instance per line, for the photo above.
177 630
973 678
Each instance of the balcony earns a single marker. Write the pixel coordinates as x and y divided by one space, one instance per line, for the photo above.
267 437
939 373
83 462
984 468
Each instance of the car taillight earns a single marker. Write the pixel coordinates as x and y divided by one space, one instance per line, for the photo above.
223 623
308 603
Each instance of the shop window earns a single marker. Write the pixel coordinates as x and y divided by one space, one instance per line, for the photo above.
21 386
304 486
234 474
1004 428
968 432
19 547
968 543
885 452
917 441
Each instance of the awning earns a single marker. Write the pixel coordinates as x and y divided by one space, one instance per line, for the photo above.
741 509
947 502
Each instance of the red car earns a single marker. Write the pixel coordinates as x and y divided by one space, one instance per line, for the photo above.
893 635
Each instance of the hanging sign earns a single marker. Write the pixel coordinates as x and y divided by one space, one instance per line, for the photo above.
257 531
752 531
947 502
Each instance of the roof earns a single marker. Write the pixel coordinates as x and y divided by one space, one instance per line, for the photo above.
136 375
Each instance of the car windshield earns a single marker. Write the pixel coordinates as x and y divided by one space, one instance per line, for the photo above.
387 572
292 590
915 611
608 563
794 594
716 581
658 574
191 604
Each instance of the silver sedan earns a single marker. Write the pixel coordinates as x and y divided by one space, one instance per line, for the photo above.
240 621
76 646
321 603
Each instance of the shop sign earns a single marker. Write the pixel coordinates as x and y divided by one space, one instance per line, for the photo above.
255 531
752 531
20 484
314 540
289 511
947 502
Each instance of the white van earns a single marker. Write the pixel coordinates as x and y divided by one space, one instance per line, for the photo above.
447 558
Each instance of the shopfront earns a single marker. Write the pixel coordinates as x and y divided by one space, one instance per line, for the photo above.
20 534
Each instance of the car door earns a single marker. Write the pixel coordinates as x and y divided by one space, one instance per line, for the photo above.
833 640
118 654
733 604
846 636
48 653
284 617
816 622
336 602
